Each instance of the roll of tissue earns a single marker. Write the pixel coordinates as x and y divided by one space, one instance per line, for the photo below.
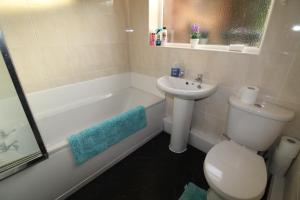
249 94
284 154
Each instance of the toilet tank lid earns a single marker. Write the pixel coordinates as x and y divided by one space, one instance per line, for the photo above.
266 110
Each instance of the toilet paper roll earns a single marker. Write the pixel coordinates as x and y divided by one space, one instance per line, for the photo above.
284 154
289 147
249 94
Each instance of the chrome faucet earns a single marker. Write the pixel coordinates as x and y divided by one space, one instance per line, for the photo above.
199 78
5 148
181 73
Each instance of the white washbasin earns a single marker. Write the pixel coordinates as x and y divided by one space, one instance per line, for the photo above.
185 89
185 93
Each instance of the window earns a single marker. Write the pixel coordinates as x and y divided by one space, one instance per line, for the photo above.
222 22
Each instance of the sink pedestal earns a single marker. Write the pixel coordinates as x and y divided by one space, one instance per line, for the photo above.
184 92
182 118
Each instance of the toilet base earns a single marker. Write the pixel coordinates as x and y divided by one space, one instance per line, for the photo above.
212 195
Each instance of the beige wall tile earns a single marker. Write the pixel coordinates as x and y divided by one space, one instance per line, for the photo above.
18 29
53 45
290 90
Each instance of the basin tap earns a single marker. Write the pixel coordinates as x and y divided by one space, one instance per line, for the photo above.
181 73
199 78
4 147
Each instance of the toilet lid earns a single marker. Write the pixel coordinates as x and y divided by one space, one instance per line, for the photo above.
235 172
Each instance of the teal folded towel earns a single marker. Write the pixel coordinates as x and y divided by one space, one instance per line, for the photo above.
96 139
193 192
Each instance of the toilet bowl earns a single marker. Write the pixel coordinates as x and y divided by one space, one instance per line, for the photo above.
235 172
233 169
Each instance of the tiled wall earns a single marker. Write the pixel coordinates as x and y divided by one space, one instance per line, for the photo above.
276 70
58 42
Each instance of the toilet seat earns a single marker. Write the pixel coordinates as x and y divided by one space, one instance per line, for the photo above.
235 172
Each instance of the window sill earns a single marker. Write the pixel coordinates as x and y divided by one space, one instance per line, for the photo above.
219 48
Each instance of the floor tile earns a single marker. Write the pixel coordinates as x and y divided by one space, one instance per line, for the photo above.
150 173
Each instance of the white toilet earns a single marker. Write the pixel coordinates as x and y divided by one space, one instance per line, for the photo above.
233 169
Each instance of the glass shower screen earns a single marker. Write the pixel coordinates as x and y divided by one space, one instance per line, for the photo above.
20 141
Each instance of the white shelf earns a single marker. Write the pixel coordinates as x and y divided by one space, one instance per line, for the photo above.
219 48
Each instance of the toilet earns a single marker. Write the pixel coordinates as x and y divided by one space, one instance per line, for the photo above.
232 168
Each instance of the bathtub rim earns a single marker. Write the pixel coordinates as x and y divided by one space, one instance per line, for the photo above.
88 100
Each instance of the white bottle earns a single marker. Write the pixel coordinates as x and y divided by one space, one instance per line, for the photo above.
164 38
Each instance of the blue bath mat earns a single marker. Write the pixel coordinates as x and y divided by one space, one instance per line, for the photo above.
96 139
193 192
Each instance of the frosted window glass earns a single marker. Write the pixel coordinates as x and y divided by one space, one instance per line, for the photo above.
225 21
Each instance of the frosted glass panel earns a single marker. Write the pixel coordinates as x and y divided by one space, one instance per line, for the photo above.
224 21
20 142
16 137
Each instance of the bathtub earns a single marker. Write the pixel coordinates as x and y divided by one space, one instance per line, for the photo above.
66 110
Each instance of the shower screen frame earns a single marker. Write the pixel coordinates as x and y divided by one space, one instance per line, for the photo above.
21 95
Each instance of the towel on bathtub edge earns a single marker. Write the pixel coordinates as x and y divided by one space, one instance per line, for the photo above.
96 139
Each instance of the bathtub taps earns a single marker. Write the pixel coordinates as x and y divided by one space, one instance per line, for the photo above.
4 147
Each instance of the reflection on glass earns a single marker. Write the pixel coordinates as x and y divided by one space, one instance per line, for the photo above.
223 22
17 141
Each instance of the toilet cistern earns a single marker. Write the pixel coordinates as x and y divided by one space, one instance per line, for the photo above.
185 92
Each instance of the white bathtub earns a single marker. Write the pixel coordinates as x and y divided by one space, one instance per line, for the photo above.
63 111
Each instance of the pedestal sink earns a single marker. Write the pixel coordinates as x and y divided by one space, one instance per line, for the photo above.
185 93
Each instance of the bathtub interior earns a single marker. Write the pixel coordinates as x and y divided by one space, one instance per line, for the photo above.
57 98
55 126
138 97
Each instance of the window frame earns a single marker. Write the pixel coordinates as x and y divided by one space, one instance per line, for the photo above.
156 8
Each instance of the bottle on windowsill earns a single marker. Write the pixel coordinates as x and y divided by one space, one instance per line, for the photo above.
158 41
152 39
164 34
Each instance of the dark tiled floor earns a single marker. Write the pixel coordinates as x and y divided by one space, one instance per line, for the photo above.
150 173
